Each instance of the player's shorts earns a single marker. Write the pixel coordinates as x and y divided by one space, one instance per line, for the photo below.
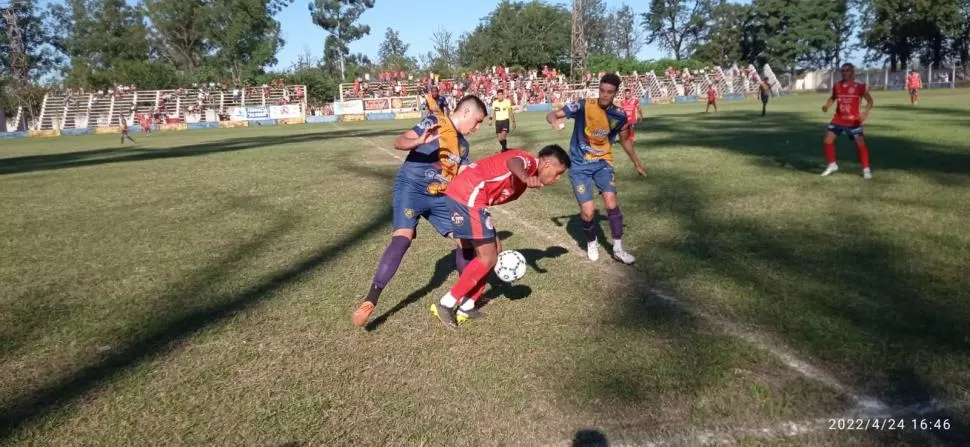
470 223
410 203
584 176
501 126
764 98
712 100
914 91
849 131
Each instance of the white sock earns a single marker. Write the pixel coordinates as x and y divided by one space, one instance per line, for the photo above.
448 301
617 245
467 305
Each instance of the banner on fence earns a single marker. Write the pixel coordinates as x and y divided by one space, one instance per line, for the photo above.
405 104
407 115
266 122
380 116
111 129
191 118
377 105
7 135
257 113
353 117
538 108
229 124
289 111
661 100
685 99
321 119
76 132
237 113
206 125
44 133
287 121
348 107
172 126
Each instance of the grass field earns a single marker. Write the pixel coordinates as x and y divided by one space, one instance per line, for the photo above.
196 289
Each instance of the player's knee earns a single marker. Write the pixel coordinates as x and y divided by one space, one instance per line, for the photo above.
406 232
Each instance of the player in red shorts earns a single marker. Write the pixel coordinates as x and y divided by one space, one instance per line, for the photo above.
493 180
631 106
913 84
711 99
848 94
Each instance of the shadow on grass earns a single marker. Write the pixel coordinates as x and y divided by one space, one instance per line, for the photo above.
447 264
850 300
163 335
121 154
590 438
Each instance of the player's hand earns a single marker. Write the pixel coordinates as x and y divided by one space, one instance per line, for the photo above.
429 134
533 182
825 109
641 170
558 125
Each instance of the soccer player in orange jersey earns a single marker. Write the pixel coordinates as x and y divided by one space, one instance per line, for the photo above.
631 106
848 95
913 84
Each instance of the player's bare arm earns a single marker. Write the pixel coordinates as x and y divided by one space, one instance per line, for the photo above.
517 167
869 103
512 116
832 100
630 152
410 140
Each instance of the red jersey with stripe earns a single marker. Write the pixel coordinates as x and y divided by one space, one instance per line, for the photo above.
489 181
711 94
849 95
632 109
913 81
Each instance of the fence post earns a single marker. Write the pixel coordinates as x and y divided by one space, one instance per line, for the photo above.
929 74
953 77
885 72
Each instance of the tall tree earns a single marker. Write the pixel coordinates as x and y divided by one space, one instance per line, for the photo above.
36 35
519 34
245 37
444 58
596 27
180 31
798 33
626 37
393 52
676 25
339 19
730 37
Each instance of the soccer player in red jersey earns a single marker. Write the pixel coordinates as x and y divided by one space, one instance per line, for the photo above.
711 99
848 94
913 84
493 180
631 106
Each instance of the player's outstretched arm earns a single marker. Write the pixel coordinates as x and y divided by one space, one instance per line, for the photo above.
630 152
410 140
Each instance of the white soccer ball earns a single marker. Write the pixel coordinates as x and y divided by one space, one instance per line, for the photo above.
511 266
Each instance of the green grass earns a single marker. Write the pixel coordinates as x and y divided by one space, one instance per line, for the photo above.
196 289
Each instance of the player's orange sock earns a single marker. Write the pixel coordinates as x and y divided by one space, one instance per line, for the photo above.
863 154
475 272
829 152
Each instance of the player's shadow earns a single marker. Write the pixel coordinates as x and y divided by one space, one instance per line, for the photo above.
590 438
444 267
574 227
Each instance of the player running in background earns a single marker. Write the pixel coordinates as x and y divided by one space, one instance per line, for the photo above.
711 99
598 123
124 129
764 91
436 149
631 107
504 117
913 84
493 180
435 102
848 94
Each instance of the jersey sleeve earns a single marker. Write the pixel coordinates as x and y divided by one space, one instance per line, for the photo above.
425 123
573 109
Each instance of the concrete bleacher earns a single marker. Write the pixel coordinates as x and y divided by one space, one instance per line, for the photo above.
62 110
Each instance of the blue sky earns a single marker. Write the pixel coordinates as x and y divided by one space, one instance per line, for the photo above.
410 18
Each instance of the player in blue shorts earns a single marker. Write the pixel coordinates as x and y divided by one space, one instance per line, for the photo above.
437 148
597 124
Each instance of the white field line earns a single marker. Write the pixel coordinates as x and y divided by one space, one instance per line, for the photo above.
865 406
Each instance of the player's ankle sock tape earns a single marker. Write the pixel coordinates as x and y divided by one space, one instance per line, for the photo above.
615 217
589 228
391 260
462 257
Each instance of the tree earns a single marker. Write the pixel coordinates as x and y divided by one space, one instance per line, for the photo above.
245 37
797 33
596 27
519 34
625 35
730 36
179 31
444 59
393 52
676 25
339 19
36 34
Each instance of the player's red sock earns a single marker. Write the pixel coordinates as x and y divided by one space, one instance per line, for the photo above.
863 155
478 290
829 152
475 272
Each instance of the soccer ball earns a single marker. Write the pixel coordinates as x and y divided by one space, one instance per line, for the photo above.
511 266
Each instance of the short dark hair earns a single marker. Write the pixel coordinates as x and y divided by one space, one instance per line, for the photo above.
848 65
626 90
472 101
555 150
501 90
612 79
